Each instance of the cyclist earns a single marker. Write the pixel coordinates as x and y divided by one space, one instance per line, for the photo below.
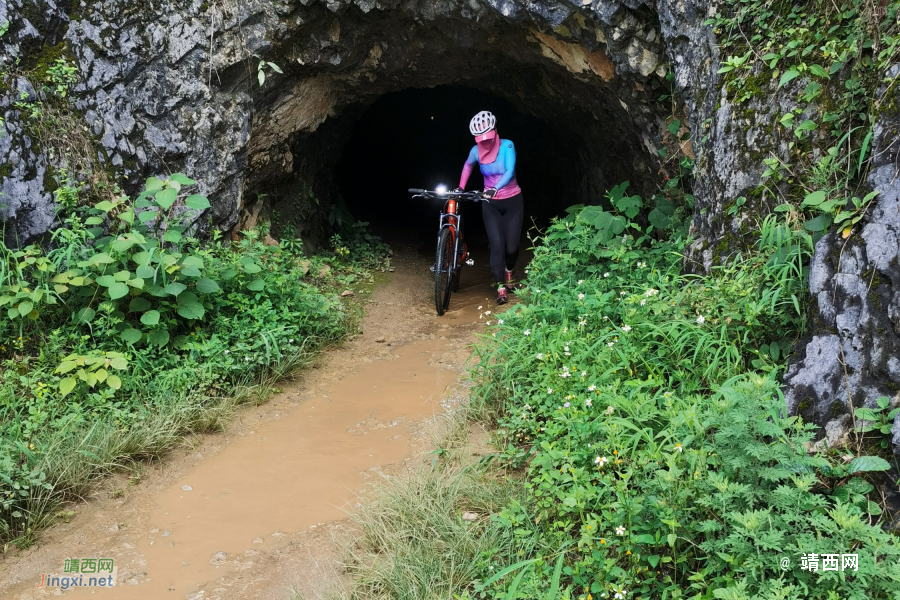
503 208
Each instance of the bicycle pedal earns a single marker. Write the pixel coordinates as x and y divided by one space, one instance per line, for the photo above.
470 262
432 268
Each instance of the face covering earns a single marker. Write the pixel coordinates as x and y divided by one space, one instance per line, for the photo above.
488 146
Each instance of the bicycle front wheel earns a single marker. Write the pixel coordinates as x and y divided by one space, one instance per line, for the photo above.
442 264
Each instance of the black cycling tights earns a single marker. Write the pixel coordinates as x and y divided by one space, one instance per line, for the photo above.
503 222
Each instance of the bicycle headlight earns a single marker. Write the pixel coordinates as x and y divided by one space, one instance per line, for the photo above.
441 190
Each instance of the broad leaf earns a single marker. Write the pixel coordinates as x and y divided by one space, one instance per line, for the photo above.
114 382
256 285
159 337
182 179
820 223
145 272
138 305
173 236
25 308
67 385
131 335
191 310
862 464
119 290
106 280
207 286
175 288
153 183
122 244
119 363
818 71
789 75
192 261
151 317
166 198
197 202
85 315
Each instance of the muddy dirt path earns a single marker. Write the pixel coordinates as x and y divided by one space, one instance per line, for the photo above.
241 514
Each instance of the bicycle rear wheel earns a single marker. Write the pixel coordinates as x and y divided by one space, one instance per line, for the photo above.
442 264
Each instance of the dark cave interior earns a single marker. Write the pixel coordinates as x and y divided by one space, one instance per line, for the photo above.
420 138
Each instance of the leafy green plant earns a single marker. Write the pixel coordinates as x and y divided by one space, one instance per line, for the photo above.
91 369
643 405
264 66
879 419
63 75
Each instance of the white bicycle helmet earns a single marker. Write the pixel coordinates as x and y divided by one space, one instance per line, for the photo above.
482 123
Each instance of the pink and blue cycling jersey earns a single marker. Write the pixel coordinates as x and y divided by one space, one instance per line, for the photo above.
500 174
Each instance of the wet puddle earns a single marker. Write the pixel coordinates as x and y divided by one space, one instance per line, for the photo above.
288 474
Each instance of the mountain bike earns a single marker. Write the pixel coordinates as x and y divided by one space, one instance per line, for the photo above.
451 248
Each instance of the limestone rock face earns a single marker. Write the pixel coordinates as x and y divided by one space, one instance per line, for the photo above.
853 352
173 87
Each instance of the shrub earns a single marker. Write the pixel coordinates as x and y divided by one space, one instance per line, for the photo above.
644 407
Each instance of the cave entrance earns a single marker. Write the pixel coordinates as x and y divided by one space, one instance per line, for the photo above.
420 138
377 105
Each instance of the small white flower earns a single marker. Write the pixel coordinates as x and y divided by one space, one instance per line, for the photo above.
493 335
227 352
479 308
527 332
524 416
643 302
581 296
678 448
611 344
565 368
567 353
565 329
291 341
606 274
623 293
487 312
609 410
600 460
480 316
587 402
527 407
582 322
620 530
566 347
499 321
540 356
701 319
565 374
626 328
620 594
580 281
549 390
246 359
488 323
584 373
651 292
592 388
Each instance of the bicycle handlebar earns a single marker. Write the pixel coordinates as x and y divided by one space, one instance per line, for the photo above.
474 196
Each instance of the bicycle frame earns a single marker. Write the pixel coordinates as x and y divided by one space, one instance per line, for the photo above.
450 218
